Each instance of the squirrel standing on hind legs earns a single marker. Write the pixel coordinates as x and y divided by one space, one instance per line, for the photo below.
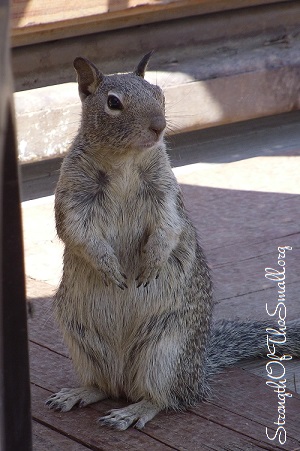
135 299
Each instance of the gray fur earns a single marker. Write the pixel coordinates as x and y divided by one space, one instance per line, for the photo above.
233 341
135 299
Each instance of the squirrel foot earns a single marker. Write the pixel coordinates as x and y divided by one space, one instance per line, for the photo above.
135 414
67 398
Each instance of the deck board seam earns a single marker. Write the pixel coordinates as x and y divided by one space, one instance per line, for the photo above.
65 434
252 292
221 265
49 349
253 243
219 423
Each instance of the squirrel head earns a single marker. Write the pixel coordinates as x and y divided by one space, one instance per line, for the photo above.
120 111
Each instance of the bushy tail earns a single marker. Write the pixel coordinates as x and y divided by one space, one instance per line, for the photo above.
233 341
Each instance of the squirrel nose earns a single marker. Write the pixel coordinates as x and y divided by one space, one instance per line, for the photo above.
157 125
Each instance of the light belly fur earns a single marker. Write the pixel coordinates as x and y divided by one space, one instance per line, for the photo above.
109 331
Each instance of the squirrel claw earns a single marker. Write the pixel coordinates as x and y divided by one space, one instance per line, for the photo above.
122 285
144 284
138 280
145 277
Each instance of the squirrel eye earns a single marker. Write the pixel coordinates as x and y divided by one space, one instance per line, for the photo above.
114 103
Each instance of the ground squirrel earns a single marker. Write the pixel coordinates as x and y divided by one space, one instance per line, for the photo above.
135 299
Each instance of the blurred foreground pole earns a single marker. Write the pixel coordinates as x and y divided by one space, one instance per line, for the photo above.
15 418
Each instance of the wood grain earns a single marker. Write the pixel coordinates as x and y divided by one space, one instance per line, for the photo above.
47 439
31 22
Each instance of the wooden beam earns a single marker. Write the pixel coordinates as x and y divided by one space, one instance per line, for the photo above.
15 418
31 22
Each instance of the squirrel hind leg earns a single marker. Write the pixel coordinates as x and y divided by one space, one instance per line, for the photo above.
67 398
137 414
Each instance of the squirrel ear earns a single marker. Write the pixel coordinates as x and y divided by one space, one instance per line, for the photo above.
88 76
142 66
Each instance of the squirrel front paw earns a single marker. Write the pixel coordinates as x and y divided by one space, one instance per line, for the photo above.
111 269
147 274
152 264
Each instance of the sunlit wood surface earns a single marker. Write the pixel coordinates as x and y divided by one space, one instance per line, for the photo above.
37 21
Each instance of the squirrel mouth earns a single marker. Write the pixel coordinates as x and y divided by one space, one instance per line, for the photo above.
148 145
152 143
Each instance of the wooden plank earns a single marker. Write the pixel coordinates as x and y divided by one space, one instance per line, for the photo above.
241 392
45 438
245 230
31 22
238 278
81 425
252 305
50 370
292 372
228 254
178 430
42 326
269 136
189 432
237 217
182 431
249 428
186 431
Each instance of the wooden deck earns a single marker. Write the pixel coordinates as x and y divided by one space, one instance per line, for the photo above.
243 196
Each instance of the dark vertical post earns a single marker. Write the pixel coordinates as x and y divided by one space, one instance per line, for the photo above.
15 418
